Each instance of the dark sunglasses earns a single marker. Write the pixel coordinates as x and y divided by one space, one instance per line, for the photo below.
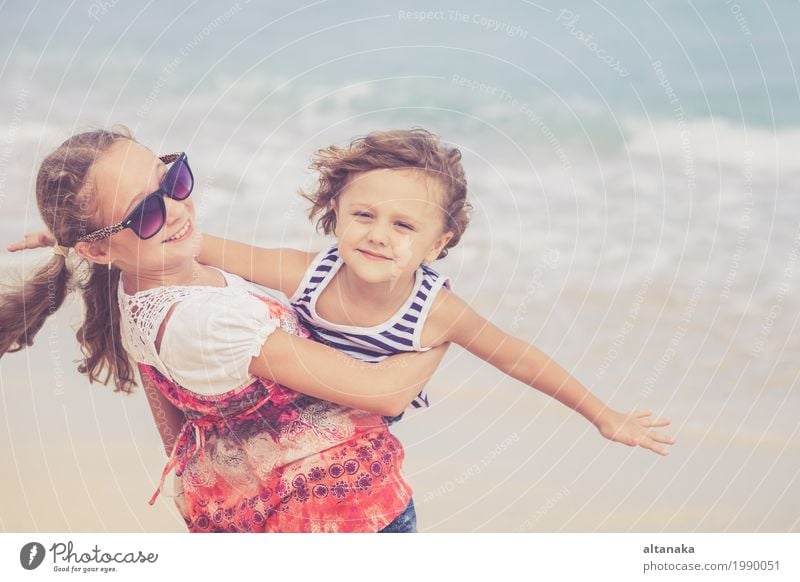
150 214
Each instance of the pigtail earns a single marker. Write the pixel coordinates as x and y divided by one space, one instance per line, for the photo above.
24 310
67 206
99 336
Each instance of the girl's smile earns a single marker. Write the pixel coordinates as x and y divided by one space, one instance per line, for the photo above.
125 174
185 231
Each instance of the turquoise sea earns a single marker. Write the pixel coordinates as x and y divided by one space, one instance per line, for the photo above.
634 172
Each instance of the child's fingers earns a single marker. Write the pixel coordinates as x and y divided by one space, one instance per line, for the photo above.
651 422
656 448
642 414
30 240
662 438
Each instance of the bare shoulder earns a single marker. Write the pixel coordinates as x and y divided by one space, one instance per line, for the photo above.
448 313
446 303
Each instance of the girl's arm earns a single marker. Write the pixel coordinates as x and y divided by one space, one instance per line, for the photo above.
169 419
321 371
280 269
455 321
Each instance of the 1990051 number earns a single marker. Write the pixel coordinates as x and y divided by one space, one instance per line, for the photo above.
757 565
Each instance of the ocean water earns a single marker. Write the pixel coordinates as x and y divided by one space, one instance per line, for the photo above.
632 166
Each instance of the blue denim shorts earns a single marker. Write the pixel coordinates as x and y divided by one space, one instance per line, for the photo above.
406 522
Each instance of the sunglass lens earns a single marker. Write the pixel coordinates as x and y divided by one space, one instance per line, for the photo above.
179 181
149 217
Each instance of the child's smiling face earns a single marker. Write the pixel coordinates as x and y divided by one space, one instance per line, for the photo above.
388 222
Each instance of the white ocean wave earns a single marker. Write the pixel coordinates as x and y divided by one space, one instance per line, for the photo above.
715 141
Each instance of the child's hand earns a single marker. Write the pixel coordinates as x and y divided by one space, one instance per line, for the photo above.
33 240
634 429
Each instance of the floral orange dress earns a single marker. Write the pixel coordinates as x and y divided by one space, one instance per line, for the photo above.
257 457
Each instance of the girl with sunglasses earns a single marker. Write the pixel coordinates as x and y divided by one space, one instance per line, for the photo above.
275 432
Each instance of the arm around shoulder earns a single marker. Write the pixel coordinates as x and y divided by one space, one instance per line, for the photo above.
276 268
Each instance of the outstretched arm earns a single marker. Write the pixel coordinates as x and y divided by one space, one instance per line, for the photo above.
456 321
326 373
281 269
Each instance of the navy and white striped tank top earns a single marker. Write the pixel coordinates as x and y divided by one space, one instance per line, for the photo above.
400 333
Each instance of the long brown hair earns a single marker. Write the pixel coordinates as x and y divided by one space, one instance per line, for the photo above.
68 207
416 149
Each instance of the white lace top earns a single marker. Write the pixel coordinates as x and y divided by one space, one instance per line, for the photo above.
210 338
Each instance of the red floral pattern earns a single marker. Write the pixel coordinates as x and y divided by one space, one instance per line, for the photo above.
267 459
